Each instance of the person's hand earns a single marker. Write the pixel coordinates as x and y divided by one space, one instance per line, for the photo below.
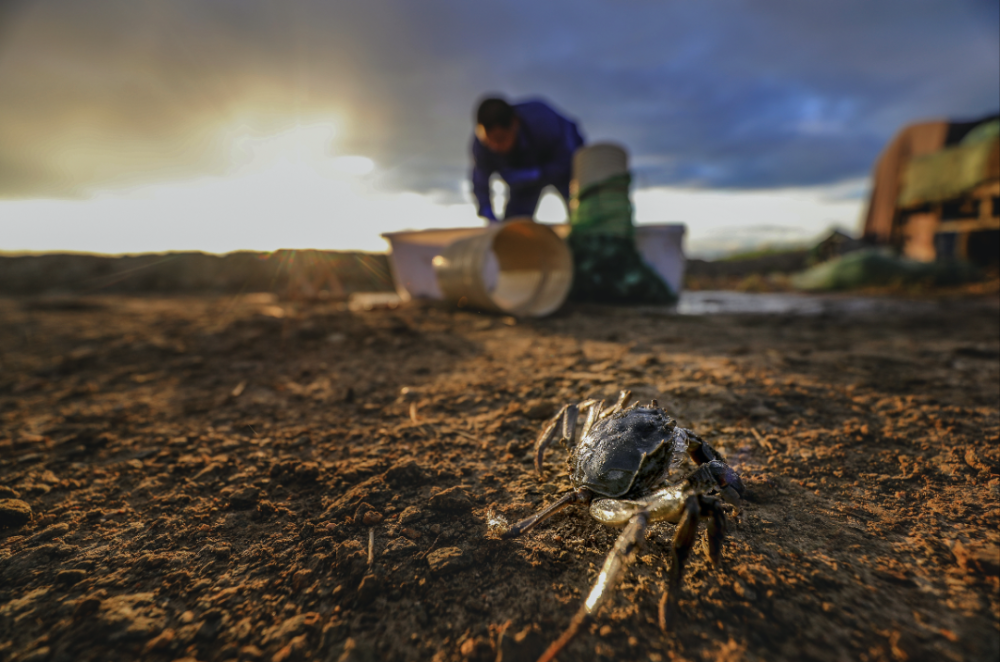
521 177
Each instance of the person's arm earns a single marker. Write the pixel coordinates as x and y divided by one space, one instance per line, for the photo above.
481 189
481 183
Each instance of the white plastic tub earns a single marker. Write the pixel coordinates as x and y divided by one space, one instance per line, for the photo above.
662 247
412 259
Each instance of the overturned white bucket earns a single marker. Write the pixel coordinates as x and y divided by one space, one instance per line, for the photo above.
518 267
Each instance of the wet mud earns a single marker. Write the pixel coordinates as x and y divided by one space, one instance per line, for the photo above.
237 478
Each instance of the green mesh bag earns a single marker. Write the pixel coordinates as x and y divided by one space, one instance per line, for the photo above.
607 268
603 208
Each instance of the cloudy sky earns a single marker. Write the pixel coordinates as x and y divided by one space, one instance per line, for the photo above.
138 125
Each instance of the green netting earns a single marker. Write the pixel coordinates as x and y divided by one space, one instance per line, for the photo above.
607 268
604 208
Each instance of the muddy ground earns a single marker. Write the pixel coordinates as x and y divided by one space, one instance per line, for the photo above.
203 475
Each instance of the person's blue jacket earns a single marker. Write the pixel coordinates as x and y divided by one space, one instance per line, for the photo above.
542 156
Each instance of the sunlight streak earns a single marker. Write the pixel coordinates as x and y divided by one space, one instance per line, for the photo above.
294 189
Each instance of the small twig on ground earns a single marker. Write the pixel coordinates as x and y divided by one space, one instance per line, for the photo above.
465 434
371 546
430 549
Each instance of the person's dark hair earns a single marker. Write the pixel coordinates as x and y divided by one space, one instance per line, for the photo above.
494 112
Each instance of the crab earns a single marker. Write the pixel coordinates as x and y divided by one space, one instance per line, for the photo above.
633 465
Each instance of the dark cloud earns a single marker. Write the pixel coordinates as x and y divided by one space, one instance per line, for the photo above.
732 94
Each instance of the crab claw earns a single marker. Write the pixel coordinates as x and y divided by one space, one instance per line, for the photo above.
731 487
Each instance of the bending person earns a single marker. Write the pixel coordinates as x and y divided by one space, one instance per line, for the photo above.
530 145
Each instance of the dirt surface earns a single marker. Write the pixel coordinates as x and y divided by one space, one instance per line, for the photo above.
203 475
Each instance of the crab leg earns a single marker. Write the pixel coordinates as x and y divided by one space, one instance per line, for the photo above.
614 565
582 495
593 414
549 435
569 423
695 508
671 504
564 423
623 399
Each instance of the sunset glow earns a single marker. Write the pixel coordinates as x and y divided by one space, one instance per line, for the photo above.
288 190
